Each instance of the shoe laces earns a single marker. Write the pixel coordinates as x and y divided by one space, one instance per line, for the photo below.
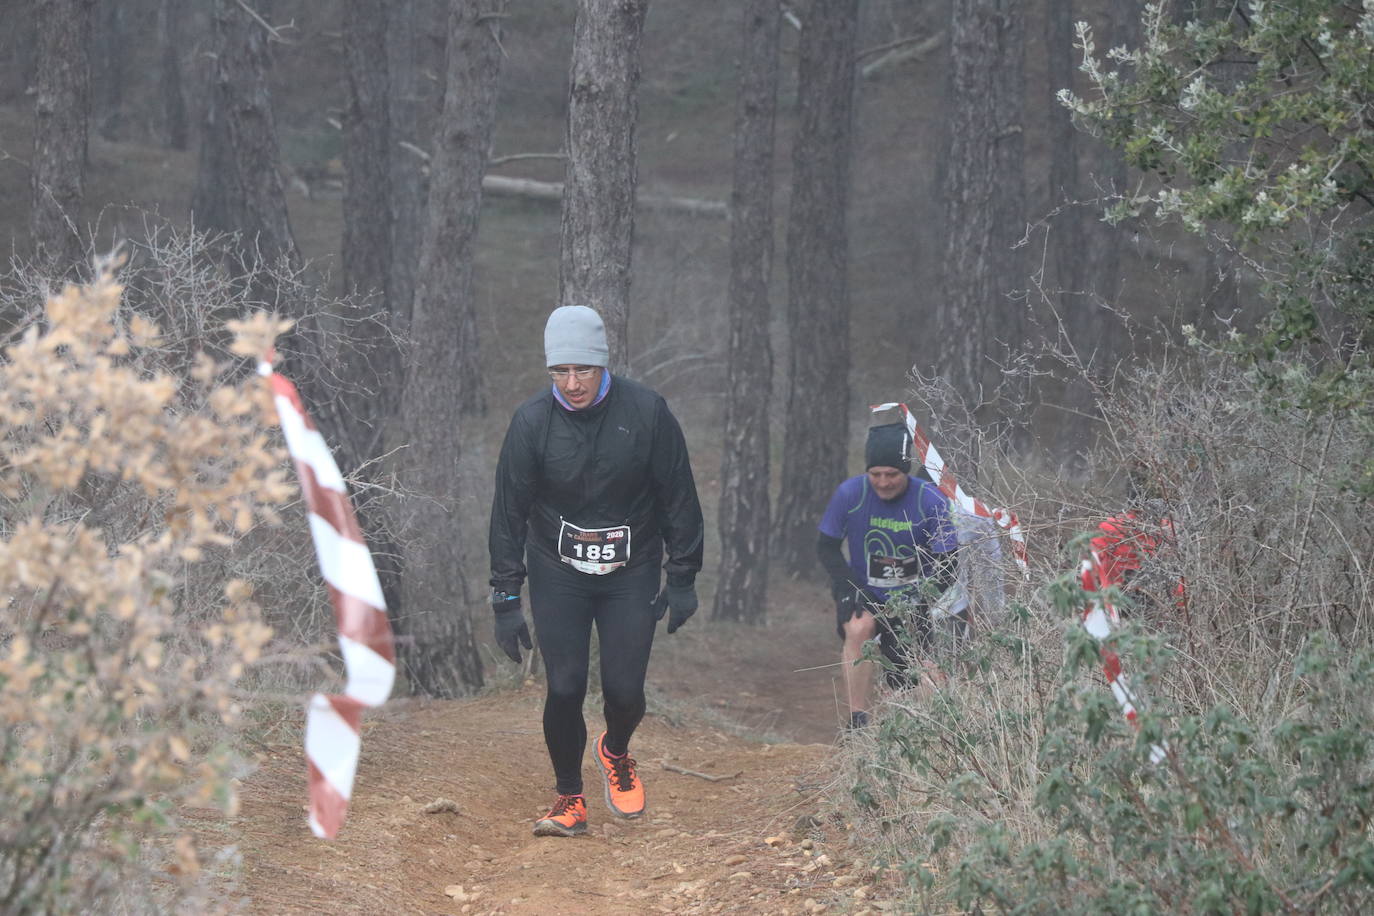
565 804
623 771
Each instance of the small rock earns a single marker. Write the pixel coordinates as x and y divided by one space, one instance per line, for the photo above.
775 840
808 844
741 875
822 859
454 890
844 881
735 859
440 805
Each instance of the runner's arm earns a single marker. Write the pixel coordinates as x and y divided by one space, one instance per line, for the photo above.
832 560
675 496
516 484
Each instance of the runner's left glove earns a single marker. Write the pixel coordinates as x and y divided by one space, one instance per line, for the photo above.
680 601
511 632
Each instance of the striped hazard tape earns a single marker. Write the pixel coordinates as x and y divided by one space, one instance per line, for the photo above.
332 738
944 479
1100 617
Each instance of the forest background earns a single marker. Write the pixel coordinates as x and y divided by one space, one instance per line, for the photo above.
961 262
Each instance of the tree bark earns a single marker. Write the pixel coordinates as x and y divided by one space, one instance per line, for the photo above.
238 186
110 44
413 28
366 248
61 112
171 75
367 357
984 194
742 589
599 188
816 436
1068 235
442 391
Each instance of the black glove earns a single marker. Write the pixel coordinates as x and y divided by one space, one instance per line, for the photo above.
511 632
681 599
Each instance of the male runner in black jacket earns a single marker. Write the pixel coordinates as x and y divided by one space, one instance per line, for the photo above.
593 488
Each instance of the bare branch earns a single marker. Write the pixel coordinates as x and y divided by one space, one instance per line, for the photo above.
674 768
273 32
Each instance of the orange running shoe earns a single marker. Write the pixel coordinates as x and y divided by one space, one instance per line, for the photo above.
624 791
568 817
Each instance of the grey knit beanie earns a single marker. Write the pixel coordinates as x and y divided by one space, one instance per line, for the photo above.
575 336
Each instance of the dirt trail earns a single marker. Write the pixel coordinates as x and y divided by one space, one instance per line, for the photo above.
701 847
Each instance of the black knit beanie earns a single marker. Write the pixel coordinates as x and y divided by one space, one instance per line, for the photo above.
889 446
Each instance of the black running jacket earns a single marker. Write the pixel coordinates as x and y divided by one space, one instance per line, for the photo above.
621 462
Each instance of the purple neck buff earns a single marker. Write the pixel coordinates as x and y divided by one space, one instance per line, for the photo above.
600 394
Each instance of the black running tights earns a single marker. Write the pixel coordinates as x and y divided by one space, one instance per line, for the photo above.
565 603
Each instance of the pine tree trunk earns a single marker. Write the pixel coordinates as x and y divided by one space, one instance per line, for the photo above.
742 589
816 437
984 195
239 186
366 355
413 106
366 248
442 391
599 188
171 74
110 44
61 111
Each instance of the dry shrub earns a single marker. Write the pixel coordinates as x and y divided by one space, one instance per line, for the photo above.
1019 786
120 483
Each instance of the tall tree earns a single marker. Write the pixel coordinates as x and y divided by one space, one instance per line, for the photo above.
742 589
109 50
1085 259
442 390
61 111
171 74
985 199
366 249
367 356
411 29
599 187
816 436
238 183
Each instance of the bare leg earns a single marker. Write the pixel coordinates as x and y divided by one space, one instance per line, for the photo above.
858 678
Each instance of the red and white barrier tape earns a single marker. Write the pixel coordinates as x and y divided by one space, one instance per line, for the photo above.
1099 617
944 479
332 737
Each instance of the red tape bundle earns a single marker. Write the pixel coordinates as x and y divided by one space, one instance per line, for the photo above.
1099 617
944 479
332 738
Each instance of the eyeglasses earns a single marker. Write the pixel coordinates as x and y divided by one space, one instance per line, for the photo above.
581 373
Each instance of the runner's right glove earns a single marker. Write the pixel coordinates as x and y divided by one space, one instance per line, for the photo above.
681 600
511 632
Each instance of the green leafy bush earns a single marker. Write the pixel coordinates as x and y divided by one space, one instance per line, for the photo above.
1250 124
1018 786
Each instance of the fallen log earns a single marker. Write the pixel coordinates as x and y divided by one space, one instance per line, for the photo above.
500 186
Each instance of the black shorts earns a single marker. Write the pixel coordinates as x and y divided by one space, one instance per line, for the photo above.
901 639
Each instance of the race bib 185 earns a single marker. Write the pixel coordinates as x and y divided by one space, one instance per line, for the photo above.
595 551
